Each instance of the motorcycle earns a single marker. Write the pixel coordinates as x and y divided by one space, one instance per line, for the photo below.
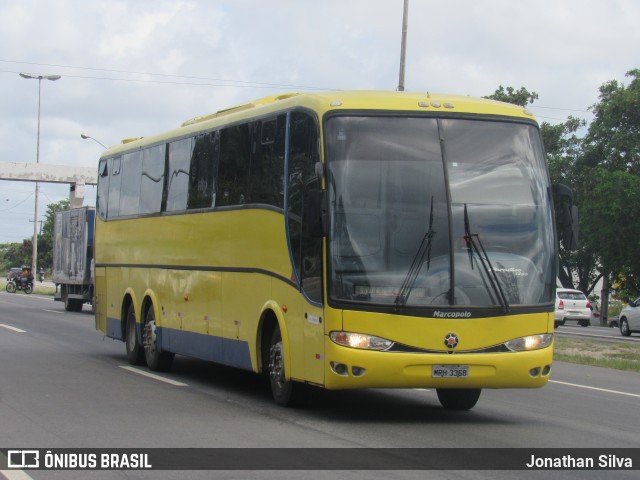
18 283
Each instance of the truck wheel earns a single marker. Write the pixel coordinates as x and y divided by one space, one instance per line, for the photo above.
135 352
71 305
157 360
68 303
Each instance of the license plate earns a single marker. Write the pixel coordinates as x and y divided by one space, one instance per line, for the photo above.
450 371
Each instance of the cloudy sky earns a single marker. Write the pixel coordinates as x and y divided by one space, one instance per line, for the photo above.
135 67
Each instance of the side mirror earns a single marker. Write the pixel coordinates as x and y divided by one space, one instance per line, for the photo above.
570 232
566 217
315 213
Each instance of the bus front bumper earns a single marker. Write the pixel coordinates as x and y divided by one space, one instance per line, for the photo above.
349 368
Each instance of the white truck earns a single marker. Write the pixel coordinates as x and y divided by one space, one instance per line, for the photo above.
73 257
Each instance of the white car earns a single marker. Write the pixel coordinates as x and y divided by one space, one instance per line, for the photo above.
573 306
630 318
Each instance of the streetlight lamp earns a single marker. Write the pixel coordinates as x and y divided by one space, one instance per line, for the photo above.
34 257
85 136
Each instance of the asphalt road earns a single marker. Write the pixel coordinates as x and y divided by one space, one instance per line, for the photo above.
62 385
597 332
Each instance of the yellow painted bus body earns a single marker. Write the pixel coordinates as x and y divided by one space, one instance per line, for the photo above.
213 277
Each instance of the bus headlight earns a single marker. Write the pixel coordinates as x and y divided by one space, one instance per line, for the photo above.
360 340
532 342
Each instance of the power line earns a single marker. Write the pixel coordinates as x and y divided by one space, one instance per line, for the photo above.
203 81
229 82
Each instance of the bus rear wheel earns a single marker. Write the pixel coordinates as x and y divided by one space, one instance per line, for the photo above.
157 360
286 393
454 399
135 352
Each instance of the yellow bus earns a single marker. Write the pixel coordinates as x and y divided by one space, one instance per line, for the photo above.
341 240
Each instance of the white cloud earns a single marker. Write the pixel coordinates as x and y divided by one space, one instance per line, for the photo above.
562 49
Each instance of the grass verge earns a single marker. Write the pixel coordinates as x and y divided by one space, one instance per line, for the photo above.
620 356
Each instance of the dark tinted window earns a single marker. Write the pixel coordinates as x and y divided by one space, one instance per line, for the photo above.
204 161
252 163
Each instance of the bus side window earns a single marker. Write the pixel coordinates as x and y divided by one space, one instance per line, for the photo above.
204 162
177 189
130 184
113 185
103 189
152 180
233 172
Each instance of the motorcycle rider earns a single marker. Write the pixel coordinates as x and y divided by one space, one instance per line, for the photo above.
26 277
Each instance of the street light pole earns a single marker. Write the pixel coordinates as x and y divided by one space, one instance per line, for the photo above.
403 45
34 254
85 136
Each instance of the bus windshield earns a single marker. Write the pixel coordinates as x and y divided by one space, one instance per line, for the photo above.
432 212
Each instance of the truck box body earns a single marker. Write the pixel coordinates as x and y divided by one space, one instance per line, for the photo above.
73 255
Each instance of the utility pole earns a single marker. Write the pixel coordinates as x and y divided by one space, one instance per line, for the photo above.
403 48
34 254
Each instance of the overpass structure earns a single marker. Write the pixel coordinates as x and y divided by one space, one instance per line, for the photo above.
76 177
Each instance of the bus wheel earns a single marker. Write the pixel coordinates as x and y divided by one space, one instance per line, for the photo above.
286 393
453 399
157 360
135 353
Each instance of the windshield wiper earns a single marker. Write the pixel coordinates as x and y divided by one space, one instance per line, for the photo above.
423 251
473 240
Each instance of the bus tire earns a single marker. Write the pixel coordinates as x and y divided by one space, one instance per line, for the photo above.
286 393
135 352
156 359
458 399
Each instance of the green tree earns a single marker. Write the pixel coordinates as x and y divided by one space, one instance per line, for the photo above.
611 172
15 254
613 140
522 97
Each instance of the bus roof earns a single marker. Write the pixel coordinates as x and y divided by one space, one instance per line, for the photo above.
323 102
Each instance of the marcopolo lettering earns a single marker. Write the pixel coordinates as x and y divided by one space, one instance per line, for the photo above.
441 314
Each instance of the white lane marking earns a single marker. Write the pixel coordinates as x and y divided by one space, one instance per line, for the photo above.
155 377
595 388
9 327
15 475
12 474
53 311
